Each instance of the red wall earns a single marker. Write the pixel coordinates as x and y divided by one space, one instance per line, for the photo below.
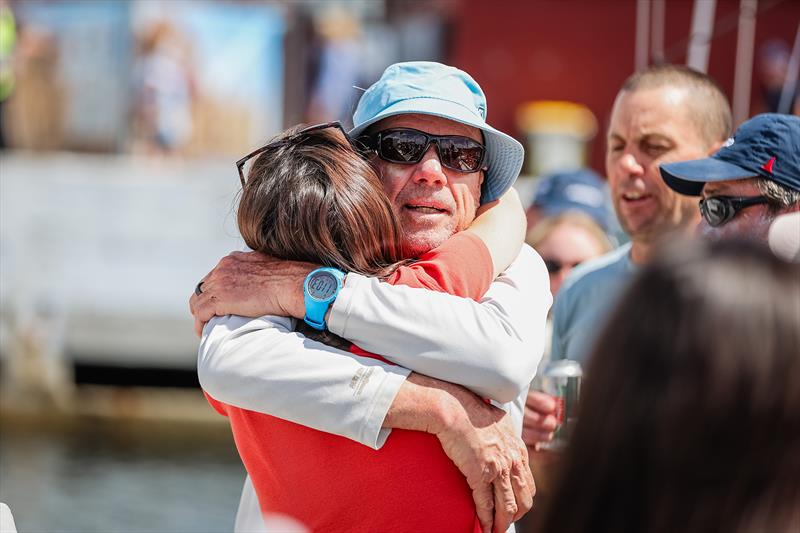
582 50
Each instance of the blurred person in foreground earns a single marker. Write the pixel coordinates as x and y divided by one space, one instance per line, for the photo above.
423 120
317 184
691 419
753 179
665 113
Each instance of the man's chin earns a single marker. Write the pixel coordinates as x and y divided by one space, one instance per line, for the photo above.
423 242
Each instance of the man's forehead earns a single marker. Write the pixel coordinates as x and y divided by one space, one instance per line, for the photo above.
429 124
651 112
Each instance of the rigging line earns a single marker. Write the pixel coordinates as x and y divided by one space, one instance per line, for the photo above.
725 25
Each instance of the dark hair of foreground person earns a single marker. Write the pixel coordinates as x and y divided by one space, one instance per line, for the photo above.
690 415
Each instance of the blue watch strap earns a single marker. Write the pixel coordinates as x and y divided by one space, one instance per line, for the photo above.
319 291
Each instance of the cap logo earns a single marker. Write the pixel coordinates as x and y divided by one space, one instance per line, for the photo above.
728 142
768 165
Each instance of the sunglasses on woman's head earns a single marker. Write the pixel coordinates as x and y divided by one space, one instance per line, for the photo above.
407 146
297 138
718 210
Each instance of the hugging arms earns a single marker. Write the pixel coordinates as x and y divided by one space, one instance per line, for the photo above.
489 347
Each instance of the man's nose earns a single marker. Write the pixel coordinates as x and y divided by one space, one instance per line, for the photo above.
429 169
629 164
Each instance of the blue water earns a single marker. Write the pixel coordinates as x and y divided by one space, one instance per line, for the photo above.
116 476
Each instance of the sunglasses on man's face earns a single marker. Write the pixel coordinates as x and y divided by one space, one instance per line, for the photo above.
718 210
407 146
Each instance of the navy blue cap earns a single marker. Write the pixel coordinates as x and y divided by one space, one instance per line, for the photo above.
581 190
766 146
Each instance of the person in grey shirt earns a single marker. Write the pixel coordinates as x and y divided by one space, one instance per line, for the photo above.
663 114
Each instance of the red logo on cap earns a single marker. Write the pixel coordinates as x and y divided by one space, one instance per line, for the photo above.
768 165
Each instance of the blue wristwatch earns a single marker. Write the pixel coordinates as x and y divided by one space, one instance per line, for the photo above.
319 291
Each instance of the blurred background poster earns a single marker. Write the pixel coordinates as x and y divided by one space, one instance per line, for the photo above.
193 76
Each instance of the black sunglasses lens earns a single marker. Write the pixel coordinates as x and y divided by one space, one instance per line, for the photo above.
552 265
716 211
402 146
461 153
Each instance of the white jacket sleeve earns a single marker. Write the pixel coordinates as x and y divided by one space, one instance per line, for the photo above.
263 365
491 347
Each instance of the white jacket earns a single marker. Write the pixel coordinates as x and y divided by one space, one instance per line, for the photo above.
491 347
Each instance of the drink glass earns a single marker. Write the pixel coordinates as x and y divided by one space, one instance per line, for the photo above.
561 379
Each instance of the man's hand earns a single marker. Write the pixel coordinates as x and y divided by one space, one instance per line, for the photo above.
479 438
250 284
494 461
540 419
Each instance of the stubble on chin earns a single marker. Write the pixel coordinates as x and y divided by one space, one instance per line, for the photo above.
422 242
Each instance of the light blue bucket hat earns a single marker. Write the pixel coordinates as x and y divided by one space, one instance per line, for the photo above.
429 88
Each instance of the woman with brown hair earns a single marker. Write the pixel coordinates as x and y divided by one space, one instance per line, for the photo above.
690 415
310 196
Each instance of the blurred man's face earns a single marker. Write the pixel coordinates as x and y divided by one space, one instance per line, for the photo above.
567 246
750 222
432 202
650 127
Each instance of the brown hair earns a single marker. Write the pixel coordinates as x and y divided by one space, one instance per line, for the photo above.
690 415
710 110
311 197
542 229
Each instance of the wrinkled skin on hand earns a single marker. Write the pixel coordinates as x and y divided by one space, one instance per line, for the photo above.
250 284
494 461
479 438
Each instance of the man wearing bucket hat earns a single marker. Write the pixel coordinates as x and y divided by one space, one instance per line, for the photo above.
438 160
749 182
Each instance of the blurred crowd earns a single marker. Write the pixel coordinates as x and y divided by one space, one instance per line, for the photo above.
157 78
689 333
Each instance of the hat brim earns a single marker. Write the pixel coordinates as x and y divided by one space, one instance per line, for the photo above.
504 154
598 215
689 177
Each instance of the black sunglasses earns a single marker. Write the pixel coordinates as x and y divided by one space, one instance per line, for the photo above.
297 138
717 210
407 146
554 266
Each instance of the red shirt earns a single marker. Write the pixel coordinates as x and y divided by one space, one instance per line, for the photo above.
334 484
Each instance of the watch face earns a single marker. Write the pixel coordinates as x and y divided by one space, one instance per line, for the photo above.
322 285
